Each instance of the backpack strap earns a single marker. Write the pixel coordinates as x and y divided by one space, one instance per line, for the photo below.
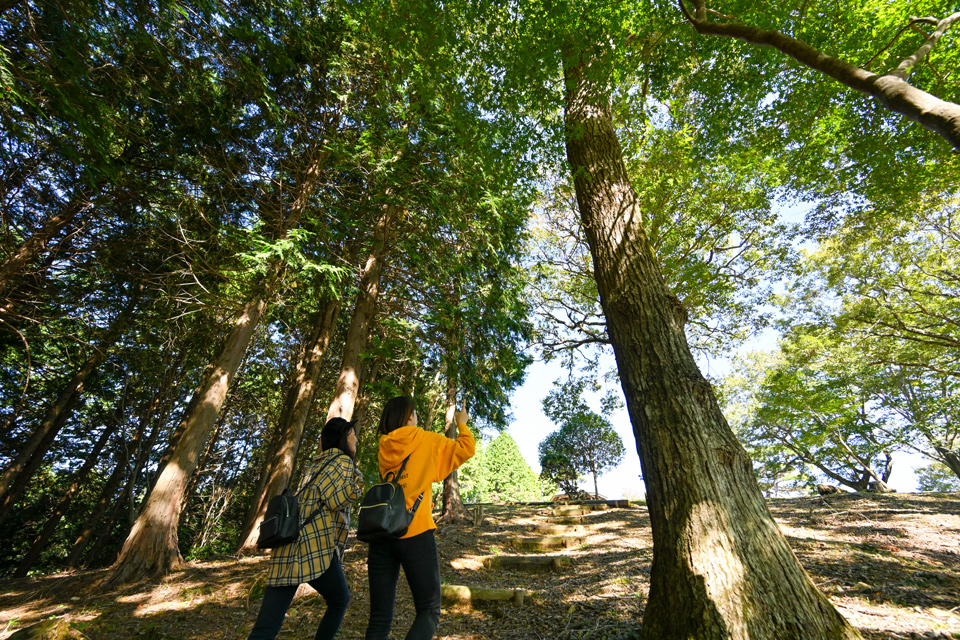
394 476
316 512
417 503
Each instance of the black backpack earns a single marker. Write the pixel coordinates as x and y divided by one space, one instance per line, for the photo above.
383 511
281 524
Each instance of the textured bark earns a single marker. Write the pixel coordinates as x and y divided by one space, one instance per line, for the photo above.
950 458
721 567
174 439
293 417
50 526
151 549
17 475
453 509
891 90
348 383
202 465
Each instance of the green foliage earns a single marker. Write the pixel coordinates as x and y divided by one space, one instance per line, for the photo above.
937 477
509 477
474 476
586 442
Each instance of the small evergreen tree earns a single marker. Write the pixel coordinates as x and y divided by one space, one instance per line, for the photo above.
509 477
474 484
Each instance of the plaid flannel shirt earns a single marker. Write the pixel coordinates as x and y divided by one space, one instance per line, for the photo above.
335 489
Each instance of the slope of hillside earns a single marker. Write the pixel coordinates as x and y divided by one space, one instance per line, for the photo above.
891 564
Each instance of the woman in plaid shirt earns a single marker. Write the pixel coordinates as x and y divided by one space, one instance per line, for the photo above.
315 557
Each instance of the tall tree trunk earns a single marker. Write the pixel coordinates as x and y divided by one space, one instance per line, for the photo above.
151 549
721 567
155 415
107 496
453 509
17 475
50 527
348 383
296 408
174 439
36 243
202 465
950 458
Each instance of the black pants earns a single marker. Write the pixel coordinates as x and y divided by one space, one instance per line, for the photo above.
332 585
421 565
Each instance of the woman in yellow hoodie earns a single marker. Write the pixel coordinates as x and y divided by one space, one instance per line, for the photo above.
430 457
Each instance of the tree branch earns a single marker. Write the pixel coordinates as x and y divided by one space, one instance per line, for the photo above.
891 91
903 69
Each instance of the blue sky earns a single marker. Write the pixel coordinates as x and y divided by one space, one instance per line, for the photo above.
530 426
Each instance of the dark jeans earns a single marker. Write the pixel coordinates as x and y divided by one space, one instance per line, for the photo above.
332 585
421 564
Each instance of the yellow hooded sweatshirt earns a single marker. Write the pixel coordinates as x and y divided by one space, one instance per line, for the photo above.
432 457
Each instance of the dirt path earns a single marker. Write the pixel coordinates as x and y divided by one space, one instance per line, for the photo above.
890 563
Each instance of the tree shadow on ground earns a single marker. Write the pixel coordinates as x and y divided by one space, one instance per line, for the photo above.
888 563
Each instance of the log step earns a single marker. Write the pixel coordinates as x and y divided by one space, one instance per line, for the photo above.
556 529
569 509
565 520
458 594
547 542
527 563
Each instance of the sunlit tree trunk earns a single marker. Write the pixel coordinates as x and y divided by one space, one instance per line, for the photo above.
151 548
50 526
293 417
721 567
348 382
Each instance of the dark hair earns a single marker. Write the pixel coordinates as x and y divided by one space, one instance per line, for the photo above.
334 435
395 414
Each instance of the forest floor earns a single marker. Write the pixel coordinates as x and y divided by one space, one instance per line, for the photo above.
890 564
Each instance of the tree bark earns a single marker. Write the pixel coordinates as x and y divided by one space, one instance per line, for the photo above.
348 383
891 90
50 526
151 548
453 509
17 475
202 464
721 567
950 458
296 408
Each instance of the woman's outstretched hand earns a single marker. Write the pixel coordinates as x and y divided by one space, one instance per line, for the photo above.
462 415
